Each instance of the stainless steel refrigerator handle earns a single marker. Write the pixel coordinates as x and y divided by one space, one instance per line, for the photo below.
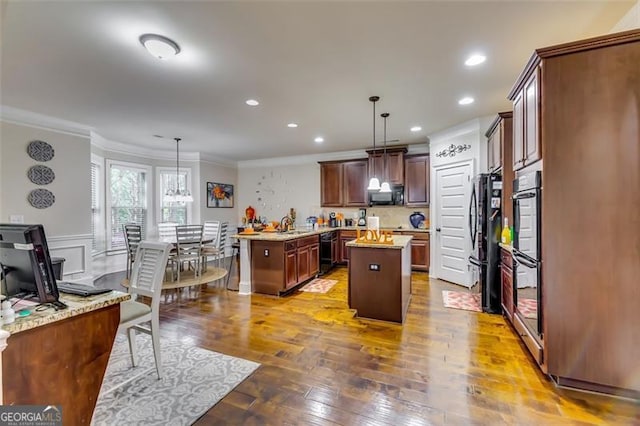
520 260
524 195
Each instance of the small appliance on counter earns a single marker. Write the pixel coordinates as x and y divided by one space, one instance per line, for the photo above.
416 219
333 222
362 217
348 222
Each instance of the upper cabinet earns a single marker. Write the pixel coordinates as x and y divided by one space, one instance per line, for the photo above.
526 122
393 170
344 183
499 155
331 182
355 183
416 183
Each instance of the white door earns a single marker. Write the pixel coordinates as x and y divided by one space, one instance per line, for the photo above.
453 187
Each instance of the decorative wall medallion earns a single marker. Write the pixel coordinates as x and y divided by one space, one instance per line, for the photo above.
41 198
40 151
41 175
452 150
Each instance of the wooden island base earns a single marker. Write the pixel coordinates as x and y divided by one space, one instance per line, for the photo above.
380 280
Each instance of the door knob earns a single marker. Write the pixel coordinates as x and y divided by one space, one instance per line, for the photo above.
437 229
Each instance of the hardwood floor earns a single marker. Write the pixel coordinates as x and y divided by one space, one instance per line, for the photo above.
320 365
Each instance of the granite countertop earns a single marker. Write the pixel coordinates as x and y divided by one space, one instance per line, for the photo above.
76 305
399 242
301 233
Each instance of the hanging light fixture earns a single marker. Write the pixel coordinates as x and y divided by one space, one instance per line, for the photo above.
174 196
385 184
374 183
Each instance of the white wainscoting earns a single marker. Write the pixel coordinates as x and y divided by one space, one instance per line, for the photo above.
76 250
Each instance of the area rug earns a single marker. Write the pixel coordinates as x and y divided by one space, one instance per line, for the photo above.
460 300
319 285
195 379
528 308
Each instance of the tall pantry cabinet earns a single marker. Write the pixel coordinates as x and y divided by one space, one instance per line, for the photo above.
576 107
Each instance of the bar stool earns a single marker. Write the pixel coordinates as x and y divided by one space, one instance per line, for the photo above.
235 252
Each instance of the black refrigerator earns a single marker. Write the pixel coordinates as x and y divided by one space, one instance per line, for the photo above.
485 218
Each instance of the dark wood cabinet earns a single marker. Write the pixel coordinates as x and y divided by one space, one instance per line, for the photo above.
506 275
526 123
499 154
331 183
278 266
393 172
291 268
416 183
314 260
344 237
303 263
344 183
355 183
420 250
335 251
577 100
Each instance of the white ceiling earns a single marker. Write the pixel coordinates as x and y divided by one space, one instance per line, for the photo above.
313 63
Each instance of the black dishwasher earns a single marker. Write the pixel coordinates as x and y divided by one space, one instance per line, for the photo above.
328 243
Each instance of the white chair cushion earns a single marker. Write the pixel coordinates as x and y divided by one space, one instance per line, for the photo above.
131 309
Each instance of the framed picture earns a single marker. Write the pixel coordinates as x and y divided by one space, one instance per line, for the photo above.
219 195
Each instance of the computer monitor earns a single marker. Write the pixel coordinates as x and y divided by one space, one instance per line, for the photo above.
26 264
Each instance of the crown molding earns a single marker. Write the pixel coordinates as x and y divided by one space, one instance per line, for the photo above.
143 152
22 117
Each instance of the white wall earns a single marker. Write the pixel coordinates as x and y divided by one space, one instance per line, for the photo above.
213 172
67 222
630 21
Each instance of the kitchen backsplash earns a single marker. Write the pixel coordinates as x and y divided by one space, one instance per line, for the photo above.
390 217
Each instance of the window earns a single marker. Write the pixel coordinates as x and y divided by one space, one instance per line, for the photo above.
97 233
128 193
178 212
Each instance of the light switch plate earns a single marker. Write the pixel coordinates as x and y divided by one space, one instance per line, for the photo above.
16 218
266 252
374 267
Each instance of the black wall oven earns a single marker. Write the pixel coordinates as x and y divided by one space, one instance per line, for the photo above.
527 273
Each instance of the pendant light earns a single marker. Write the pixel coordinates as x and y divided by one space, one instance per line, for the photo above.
385 185
178 195
374 183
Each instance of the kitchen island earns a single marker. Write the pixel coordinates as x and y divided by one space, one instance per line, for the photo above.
275 262
380 279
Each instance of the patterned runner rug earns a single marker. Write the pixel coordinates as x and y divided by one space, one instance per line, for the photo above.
460 300
319 285
528 308
195 379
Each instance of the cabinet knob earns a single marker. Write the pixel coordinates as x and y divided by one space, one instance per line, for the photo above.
437 229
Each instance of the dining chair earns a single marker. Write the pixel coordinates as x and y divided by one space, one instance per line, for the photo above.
211 233
167 231
132 238
146 280
188 248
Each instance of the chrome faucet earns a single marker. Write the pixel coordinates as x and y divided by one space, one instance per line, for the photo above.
285 224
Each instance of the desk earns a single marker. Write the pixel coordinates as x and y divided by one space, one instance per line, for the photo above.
60 357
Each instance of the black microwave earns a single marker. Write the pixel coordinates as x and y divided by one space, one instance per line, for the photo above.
393 198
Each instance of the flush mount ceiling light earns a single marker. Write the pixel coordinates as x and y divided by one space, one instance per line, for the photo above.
252 102
374 183
292 125
416 128
475 59
159 46
466 100
319 139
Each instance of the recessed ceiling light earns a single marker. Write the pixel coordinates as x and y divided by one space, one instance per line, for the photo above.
292 125
159 46
252 102
475 59
416 128
319 139
466 100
